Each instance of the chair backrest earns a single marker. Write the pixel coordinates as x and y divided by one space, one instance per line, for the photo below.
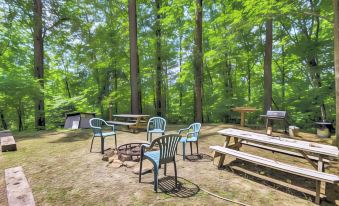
96 124
167 145
195 127
156 123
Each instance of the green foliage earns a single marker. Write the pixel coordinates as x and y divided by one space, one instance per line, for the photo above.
87 58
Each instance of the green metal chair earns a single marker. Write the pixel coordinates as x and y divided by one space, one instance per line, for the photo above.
155 125
192 135
97 124
167 147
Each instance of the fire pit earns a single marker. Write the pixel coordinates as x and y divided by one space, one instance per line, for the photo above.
129 152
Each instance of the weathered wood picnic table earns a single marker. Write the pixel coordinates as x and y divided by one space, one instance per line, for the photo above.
242 111
308 150
303 147
132 121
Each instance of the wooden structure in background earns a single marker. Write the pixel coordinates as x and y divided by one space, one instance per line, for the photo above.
242 111
17 188
132 121
76 120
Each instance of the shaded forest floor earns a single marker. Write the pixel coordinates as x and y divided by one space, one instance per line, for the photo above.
61 171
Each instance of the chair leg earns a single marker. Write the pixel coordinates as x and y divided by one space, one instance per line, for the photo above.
165 169
150 137
140 170
155 179
91 144
183 150
191 148
147 136
175 174
102 145
196 143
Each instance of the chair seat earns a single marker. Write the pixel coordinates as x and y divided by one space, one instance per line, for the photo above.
105 134
190 139
156 131
153 155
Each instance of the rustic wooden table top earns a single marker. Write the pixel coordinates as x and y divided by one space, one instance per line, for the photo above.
306 146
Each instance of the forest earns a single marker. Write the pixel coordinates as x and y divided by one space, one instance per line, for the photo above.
179 59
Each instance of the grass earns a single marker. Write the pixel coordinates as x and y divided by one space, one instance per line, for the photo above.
61 171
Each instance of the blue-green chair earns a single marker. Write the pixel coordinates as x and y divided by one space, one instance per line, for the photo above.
191 135
155 125
97 124
167 147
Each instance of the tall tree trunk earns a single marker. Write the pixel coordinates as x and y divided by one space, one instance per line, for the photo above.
248 81
116 90
165 92
3 121
39 103
134 60
19 112
159 69
228 77
268 66
336 64
180 63
198 74
283 79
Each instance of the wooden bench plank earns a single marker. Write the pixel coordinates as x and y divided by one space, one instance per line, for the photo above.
121 123
295 154
18 191
7 143
275 181
325 177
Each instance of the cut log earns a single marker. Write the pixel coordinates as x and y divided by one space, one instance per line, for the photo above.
7 142
18 191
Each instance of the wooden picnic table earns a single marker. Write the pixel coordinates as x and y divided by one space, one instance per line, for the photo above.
303 147
242 111
132 121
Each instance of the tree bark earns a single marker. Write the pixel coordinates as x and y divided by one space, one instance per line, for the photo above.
268 66
134 60
159 66
180 69
19 112
248 81
3 121
198 74
336 64
38 65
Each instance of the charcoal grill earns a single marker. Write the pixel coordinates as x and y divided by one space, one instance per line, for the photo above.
274 115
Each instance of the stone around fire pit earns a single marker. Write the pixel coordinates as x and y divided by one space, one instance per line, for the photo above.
130 164
147 167
108 153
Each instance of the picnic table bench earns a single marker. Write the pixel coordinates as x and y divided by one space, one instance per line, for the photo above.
303 148
17 187
7 141
132 121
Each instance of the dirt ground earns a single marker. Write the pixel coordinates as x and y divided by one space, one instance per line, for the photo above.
62 171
